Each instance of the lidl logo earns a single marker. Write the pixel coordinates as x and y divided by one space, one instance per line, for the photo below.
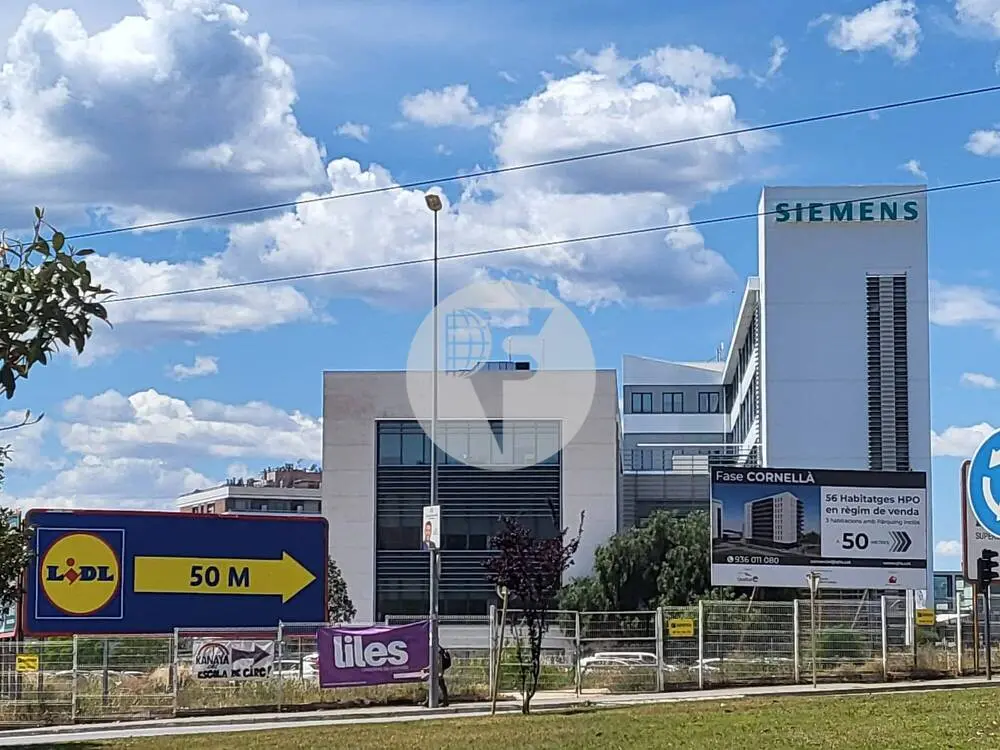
80 573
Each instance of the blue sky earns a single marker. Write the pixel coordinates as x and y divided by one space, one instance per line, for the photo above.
117 112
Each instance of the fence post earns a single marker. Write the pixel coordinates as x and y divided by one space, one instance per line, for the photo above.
701 644
493 648
72 708
796 642
578 676
279 655
959 643
658 629
105 664
175 667
884 627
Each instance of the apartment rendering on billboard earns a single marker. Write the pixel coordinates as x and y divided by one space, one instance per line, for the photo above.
776 520
716 519
857 529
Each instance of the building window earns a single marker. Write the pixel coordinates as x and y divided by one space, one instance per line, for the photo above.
708 403
642 403
673 403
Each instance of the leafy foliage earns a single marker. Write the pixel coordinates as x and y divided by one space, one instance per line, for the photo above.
340 608
662 563
531 569
15 552
47 299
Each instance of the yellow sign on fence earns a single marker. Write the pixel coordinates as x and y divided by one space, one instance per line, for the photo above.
925 617
682 627
26 663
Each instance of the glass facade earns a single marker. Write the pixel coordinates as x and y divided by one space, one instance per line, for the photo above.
472 501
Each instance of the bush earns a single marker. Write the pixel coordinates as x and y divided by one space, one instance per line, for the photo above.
843 644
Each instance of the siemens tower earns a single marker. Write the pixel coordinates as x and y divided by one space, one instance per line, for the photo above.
828 364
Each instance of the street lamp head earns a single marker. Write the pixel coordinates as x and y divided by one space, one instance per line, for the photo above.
433 202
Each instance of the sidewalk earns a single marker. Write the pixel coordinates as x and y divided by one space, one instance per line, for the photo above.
546 701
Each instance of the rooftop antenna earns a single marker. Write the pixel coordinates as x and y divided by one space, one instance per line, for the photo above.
720 352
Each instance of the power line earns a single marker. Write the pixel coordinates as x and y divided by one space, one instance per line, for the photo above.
534 245
547 163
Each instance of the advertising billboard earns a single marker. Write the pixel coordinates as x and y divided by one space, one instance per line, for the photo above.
377 655
147 572
857 529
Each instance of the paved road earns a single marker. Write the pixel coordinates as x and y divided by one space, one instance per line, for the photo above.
551 701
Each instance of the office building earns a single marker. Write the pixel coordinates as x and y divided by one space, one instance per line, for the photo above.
676 425
376 464
778 519
828 365
258 497
718 521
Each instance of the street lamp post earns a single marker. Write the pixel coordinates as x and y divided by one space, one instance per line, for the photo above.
434 204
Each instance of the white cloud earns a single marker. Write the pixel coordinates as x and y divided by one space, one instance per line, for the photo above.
889 24
150 424
913 167
451 106
964 305
185 317
583 112
155 62
27 443
688 67
978 380
209 113
984 143
779 51
138 451
116 482
507 76
960 442
948 548
355 130
979 14
202 366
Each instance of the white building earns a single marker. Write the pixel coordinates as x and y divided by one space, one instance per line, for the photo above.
828 366
376 481
777 518
718 520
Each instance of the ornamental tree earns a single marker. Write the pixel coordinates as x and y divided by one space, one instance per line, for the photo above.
531 568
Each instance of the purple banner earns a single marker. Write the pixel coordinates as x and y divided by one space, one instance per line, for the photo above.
376 655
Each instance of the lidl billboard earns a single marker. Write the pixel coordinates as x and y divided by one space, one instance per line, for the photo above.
857 529
104 572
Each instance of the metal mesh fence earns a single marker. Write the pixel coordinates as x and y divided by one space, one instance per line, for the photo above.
746 642
124 677
37 681
711 644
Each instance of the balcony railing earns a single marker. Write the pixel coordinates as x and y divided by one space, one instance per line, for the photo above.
687 459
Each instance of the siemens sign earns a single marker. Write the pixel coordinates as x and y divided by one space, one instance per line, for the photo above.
837 212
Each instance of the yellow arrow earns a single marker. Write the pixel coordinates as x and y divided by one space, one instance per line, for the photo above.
208 575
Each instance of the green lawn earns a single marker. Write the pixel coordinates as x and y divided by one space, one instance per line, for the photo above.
903 721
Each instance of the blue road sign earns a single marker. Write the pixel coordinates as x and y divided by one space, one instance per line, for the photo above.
106 572
984 484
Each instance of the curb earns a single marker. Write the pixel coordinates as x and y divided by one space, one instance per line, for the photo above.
507 707
296 717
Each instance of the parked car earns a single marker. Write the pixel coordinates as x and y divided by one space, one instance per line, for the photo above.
619 660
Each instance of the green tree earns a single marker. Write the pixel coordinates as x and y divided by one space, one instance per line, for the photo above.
48 299
340 608
663 562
